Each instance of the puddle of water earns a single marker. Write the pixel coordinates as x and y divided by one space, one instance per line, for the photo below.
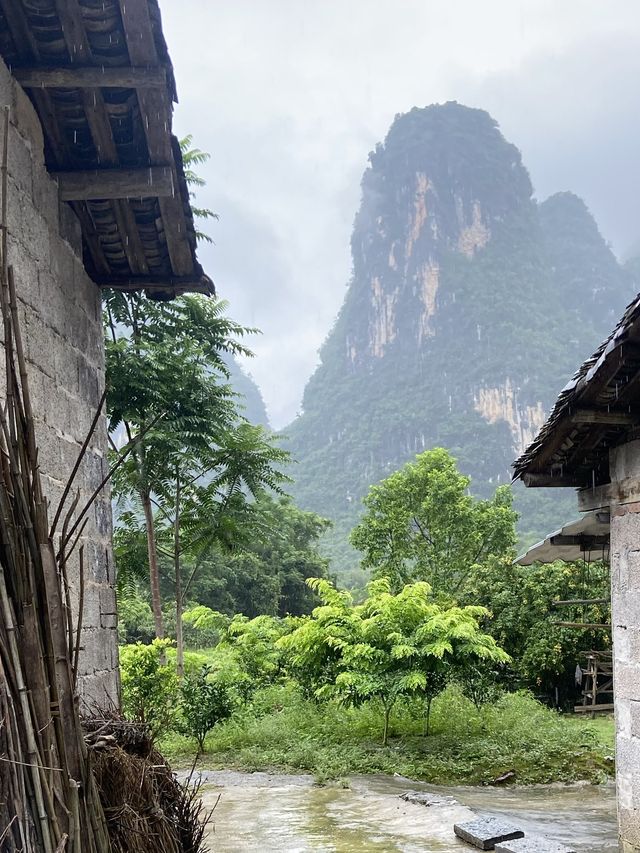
263 812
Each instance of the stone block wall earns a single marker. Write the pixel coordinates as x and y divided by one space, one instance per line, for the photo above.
60 314
625 622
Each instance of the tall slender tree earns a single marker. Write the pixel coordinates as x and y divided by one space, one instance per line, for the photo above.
167 394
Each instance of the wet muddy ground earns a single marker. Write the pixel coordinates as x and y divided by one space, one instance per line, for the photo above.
275 812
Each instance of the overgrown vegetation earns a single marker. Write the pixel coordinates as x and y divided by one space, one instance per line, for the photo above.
397 684
281 730
243 648
397 652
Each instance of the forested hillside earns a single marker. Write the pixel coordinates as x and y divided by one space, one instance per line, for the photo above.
470 305
251 403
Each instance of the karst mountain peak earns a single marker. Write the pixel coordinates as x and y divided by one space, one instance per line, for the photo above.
468 305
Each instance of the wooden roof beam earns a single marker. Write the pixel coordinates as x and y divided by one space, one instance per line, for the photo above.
73 29
155 283
94 184
91 237
603 416
92 78
550 481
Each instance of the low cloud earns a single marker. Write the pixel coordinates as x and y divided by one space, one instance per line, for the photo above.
289 97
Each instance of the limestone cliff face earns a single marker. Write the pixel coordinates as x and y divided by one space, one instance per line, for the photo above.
501 404
468 306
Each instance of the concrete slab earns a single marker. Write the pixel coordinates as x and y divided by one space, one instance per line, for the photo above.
486 832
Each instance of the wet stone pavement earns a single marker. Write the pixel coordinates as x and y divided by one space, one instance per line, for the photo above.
276 812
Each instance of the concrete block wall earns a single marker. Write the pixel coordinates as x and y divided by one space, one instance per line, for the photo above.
61 318
625 621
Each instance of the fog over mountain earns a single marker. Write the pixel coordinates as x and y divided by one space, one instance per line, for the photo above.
296 103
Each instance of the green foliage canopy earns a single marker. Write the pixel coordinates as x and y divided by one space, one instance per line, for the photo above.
389 646
421 523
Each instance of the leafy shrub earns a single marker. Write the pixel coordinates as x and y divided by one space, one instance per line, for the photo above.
149 686
205 702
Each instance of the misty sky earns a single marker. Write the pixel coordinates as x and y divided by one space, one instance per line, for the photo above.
289 96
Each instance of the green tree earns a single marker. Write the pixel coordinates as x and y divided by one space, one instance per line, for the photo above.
205 701
268 573
247 647
149 686
209 499
167 395
520 598
387 647
421 523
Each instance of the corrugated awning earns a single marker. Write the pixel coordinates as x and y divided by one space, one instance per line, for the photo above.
587 537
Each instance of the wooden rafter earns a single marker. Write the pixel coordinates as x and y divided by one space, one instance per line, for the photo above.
91 78
119 185
156 181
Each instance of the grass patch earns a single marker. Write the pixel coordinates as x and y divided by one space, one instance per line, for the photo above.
280 730
603 726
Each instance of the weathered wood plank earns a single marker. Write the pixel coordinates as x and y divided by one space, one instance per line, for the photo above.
551 481
88 78
156 181
622 491
73 30
581 539
595 497
138 31
91 238
175 231
131 242
588 709
601 416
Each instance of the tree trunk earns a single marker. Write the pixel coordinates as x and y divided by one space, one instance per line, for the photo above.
427 721
176 566
385 734
154 574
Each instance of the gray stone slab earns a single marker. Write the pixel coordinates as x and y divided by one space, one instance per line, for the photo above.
486 832
532 845
425 798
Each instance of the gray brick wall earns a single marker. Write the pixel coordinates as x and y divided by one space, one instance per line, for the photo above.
60 313
625 621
